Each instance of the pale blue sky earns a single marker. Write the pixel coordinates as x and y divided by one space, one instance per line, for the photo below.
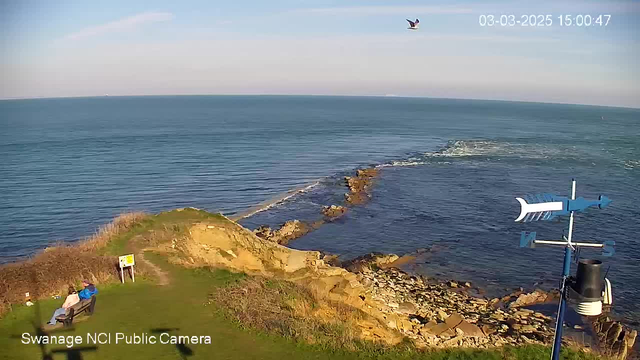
85 48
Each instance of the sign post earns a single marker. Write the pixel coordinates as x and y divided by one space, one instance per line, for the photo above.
127 261
547 207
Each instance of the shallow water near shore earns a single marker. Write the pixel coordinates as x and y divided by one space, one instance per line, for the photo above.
450 170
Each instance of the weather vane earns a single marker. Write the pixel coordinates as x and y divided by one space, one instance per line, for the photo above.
547 207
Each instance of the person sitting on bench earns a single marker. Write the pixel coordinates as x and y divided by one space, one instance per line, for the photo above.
88 291
71 300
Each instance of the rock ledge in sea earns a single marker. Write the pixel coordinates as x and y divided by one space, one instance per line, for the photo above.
359 186
290 230
334 211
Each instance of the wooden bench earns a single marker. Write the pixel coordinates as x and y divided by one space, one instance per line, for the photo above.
87 305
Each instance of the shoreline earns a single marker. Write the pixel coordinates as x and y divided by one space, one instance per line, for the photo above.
268 204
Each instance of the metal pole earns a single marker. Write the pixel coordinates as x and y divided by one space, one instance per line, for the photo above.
557 342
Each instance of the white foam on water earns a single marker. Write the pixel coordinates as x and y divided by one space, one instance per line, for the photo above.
471 148
632 164
401 163
276 201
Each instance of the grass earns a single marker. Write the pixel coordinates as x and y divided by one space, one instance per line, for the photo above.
54 269
185 307
51 271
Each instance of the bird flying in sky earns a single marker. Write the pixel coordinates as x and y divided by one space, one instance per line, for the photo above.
413 25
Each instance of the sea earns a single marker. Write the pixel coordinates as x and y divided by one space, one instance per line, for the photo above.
450 171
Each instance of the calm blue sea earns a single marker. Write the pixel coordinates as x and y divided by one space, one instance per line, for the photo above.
450 170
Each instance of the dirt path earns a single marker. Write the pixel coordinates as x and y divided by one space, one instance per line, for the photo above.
161 275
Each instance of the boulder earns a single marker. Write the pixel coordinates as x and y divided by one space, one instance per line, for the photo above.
356 198
615 339
470 329
369 261
290 230
535 297
367 173
454 320
264 232
407 308
359 185
334 211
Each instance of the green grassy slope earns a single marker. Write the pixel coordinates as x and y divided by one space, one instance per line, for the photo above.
182 308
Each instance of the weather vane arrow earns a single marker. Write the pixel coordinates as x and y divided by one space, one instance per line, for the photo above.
548 206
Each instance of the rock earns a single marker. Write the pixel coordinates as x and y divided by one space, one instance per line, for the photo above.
467 284
332 260
522 313
615 339
528 328
405 325
356 198
367 173
470 329
454 320
430 324
438 329
264 232
369 261
426 332
290 230
535 297
359 185
442 316
334 211
475 322
407 308
613 334
488 330
542 316
448 333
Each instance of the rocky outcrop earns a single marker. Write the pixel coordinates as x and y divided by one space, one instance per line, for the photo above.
615 340
334 211
371 261
520 298
290 230
359 185
231 246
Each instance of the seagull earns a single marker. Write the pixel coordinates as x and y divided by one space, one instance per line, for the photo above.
413 25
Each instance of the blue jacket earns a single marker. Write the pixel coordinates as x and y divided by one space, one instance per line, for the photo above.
88 292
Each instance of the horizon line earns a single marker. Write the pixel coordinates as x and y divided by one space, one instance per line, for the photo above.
317 95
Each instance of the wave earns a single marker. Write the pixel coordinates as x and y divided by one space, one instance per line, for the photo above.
632 164
489 148
275 201
484 149
401 163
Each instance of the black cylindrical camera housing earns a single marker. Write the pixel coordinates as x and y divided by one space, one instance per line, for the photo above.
589 279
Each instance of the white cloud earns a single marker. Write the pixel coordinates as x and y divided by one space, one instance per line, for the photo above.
385 10
121 25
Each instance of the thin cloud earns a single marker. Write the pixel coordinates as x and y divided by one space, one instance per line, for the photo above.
121 25
492 38
385 10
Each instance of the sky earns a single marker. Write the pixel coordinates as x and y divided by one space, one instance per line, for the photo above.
323 47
